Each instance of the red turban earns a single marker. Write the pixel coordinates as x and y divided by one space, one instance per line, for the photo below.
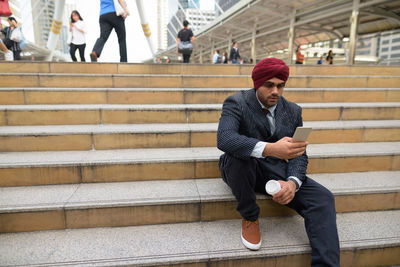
269 68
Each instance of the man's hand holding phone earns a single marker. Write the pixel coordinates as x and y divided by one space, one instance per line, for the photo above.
287 147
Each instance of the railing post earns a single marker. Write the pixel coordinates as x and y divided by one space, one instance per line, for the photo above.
55 29
353 32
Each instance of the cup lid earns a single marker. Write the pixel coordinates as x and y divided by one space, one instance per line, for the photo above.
272 187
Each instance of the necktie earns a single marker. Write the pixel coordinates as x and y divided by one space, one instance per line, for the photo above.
266 111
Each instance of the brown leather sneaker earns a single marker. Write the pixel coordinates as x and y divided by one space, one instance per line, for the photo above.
251 237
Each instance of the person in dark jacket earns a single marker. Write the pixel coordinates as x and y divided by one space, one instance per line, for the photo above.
255 132
234 55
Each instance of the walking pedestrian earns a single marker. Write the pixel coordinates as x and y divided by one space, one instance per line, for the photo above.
299 56
329 57
185 41
225 57
234 56
11 44
78 30
217 57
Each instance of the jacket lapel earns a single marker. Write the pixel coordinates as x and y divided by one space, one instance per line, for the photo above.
280 116
257 111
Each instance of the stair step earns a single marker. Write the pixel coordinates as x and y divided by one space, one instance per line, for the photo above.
128 136
42 168
180 113
155 202
366 239
34 96
193 81
122 68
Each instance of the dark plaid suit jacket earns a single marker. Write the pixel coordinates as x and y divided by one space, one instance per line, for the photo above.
243 124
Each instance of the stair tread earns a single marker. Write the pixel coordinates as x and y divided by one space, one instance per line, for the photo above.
189 242
55 74
184 106
46 158
210 89
175 127
96 195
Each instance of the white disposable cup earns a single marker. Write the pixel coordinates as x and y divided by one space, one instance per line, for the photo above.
272 187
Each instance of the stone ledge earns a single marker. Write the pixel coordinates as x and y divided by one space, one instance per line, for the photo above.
204 243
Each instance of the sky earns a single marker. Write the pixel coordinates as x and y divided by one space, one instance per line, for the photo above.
137 46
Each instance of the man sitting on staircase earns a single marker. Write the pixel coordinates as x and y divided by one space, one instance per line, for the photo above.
255 132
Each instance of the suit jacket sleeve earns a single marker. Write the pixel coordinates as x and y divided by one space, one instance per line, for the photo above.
229 138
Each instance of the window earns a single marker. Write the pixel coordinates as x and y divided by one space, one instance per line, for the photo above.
396 40
385 42
396 47
385 49
395 55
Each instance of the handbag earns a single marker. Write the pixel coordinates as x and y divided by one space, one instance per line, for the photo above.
4 8
23 44
119 11
185 48
16 35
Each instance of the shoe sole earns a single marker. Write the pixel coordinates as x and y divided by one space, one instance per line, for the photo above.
249 245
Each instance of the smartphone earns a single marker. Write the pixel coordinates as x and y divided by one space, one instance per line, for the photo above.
301 133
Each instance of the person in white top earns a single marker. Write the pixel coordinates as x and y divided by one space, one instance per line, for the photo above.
78 30
217 57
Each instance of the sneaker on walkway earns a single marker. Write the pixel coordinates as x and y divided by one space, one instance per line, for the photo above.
251 236
9 56
93 57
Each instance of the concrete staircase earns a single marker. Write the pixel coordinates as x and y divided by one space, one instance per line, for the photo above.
115 165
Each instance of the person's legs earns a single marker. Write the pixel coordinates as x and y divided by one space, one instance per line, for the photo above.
186 58
316 205
119 25
17 55
72 50
241 175
105 30
82 52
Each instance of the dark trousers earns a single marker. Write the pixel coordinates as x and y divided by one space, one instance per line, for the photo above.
72 50
186 58
313 202
108 22
17 55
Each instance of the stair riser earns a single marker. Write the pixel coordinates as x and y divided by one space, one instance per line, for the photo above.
21 97
108 81
170 140
373 257
173 213
25 176
113 68
126 116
